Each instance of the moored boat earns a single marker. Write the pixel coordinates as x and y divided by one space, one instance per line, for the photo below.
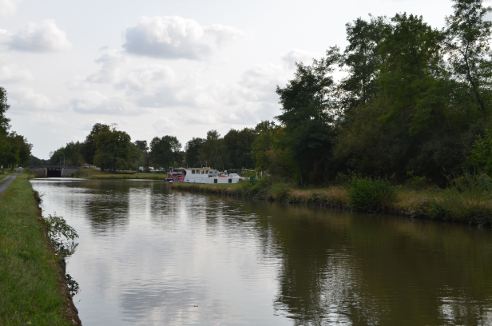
203 175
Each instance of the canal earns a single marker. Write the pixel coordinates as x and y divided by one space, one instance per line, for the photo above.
152 256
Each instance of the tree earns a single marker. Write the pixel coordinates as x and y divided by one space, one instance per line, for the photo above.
70 154
193 152
362 60
140 154
19 150
112 150
4 127
467 43
142 145
307 117
88 149
214 151
238 148
411 72
4 121
263 144
164 151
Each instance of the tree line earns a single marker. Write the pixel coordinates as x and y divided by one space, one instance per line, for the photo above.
415 100
111 149
14 148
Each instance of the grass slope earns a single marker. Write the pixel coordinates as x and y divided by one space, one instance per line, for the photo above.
470 204
98 174
30 289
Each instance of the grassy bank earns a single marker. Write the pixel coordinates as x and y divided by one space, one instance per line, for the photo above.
466 201
468 198
32 289
98 174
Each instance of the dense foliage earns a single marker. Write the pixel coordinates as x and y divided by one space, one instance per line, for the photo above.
14 148
414 98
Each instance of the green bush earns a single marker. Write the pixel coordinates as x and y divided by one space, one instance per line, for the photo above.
370 195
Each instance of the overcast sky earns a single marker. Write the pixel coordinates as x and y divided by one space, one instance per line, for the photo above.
158 67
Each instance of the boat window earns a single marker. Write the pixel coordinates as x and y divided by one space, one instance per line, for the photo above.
230 180
215 180
192 171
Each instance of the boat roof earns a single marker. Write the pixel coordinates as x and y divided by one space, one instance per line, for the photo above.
196 168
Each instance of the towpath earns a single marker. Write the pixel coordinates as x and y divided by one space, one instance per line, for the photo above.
5 182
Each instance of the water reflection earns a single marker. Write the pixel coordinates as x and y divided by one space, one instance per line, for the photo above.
148 256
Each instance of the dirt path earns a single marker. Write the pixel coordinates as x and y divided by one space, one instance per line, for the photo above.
5 182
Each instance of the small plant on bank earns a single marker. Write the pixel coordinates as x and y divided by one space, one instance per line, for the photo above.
61 235
371 195
73 285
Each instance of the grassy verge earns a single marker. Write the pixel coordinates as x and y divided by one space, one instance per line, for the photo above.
98 174
32 288
470 201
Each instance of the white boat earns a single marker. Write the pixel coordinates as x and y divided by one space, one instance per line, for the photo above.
207 175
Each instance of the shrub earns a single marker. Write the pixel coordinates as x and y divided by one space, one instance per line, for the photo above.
371 195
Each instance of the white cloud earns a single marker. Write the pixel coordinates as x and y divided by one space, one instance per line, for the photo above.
25 99
12 73
176 38
8 7
47 120
5 37
147 77
290 58
260 82
95 102
40 37
224 34
110 72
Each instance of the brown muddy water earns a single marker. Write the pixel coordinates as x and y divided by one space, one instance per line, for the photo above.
152 256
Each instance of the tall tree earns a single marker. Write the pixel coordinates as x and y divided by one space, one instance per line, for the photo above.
409 76
214 151
112 150
4 121
307 116
468 45
164 151
89 147
238 148
140 154
193 152
362 60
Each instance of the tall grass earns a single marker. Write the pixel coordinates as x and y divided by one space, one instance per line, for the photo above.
468 199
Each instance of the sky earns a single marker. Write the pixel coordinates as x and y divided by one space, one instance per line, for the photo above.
159 67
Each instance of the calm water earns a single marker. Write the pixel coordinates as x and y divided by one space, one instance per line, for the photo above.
152 256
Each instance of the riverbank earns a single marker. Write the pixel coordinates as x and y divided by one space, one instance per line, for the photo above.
465 201
471 205
32 286
98 174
